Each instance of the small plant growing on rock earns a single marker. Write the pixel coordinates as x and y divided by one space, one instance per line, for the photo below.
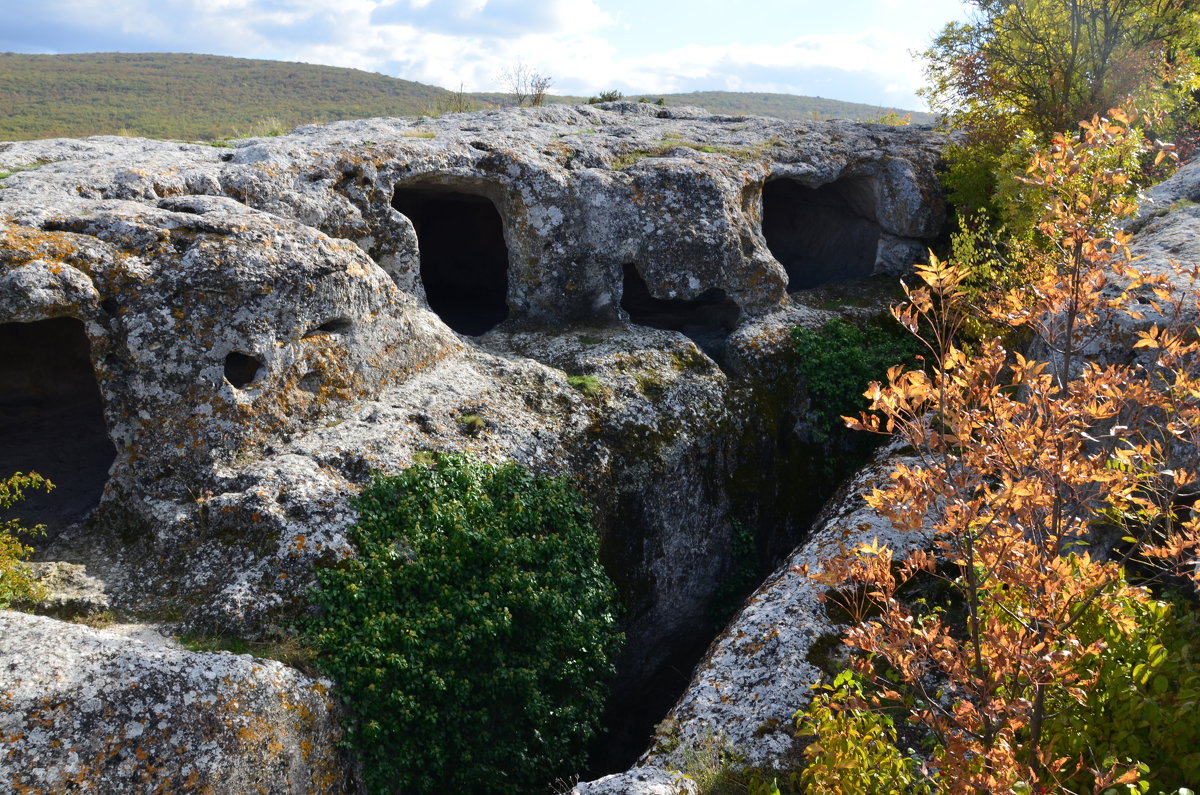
472 424
853 751
471 632
588 385
16 582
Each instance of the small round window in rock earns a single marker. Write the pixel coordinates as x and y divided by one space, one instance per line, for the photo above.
241 369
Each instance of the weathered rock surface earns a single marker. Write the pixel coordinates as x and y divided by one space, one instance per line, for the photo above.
640 781
256 321
68 591
1182 188
84 710
209 348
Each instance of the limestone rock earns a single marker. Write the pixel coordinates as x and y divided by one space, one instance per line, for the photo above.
70 592
236 336
90 710
758 672
1183 187
639 781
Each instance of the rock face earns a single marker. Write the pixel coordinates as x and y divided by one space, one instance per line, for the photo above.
86 710
68 591
641 781
209 347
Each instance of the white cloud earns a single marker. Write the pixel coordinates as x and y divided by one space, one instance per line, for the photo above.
493 17
805 65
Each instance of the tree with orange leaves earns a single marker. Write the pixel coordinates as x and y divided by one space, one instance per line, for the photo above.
1021 461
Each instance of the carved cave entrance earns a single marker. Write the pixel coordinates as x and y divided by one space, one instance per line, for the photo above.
52 420
706 319
464 260
823 234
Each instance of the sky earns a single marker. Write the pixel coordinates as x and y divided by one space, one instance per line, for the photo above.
853 50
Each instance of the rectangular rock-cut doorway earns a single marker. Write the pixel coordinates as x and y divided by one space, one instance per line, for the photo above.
823 234
464 259
52 421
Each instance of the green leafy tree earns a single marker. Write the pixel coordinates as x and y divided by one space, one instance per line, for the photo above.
471 633
1044 64
1018 72
15 581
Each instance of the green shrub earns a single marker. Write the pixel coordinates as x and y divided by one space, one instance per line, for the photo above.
1142 705
852 751
472 633
605 96
15 581
837 362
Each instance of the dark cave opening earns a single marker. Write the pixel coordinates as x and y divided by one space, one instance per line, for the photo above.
52 420
707 319
241 369
823 234
464 260
635 709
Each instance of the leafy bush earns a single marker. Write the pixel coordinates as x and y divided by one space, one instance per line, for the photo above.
839 360
605 96
1141 704
852 751
15 582
1137 710
1015 462
472 633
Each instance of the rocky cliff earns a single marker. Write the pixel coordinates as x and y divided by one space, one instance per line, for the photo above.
209 348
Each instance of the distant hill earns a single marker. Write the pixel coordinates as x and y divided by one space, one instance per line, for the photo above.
748 103
205 97
787 106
